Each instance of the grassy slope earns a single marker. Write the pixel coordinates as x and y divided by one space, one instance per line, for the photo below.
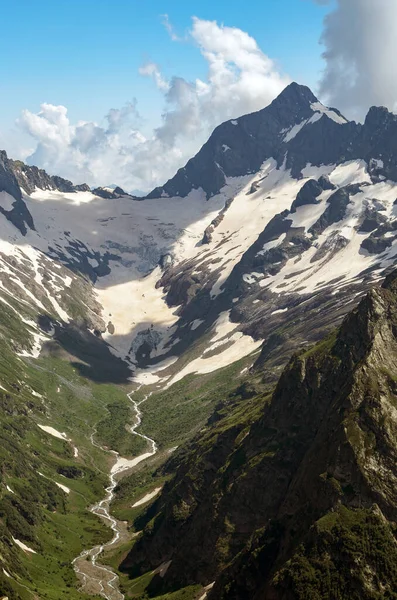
50 391
173 417
56 525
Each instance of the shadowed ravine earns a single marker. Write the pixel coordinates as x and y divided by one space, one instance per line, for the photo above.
95 578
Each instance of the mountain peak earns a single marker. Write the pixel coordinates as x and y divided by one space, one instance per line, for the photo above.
378 116
297 94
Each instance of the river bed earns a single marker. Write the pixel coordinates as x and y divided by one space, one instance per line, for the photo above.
96 578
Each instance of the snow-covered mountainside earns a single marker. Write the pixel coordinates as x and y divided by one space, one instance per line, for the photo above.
271 233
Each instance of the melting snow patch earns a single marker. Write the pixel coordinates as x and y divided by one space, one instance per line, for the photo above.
122 464
312 171
38 340
378 163
234 122
318 107
196 323
146 498
9 489
146 378
23 546
207 589
278 312
163 568
354 171
247 278
54 432
239 345
63 487
272 244
6 201
293 132
253 277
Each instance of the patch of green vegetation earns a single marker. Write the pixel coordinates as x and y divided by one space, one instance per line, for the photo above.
351 554
188 593
322 348
114 431
136 589
135 486
34 510
174 415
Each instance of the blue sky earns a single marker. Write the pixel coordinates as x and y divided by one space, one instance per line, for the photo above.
86 54
71 61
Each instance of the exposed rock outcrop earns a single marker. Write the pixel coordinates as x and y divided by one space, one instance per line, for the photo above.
30 177
293 496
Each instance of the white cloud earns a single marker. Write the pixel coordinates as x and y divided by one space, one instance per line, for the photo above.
170 28
84 151
360 43
150 69
241 79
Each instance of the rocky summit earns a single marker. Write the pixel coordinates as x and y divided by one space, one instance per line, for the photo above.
210 370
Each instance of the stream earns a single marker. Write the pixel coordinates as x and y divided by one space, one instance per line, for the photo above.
96 578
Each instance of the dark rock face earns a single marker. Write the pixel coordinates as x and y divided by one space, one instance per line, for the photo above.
110 194
299 489
371 221
249 140
382 237
19 215
325 183
376 244
29 178
240 146
8 181
16 176
64 185
103 193
308 194
334 212
207 237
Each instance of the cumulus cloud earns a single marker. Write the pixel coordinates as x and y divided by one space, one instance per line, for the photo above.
84 151
150 69
240 79
360 41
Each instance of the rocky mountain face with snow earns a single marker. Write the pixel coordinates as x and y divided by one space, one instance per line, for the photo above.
30 177
284 217
259 247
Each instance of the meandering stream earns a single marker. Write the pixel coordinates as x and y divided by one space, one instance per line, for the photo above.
96 578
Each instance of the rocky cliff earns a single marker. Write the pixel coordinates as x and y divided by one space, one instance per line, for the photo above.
30 177
295 129
293 496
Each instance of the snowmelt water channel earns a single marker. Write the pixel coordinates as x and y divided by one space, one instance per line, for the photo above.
95 578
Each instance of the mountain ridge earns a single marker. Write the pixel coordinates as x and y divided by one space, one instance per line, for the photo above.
247 493
202 299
